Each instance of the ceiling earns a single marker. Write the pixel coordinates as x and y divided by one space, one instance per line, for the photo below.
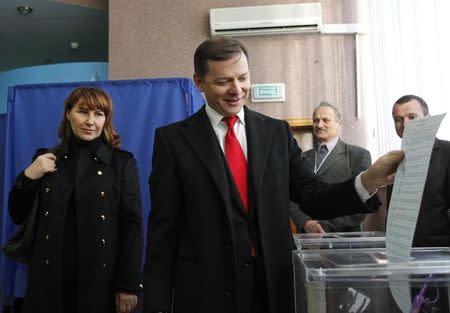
45 35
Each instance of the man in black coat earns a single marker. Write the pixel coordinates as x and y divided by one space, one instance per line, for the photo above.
340 162
433 222
215 244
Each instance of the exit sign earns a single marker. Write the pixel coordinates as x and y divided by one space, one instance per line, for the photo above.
268 92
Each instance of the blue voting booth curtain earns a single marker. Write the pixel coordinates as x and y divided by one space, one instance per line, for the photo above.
2 164
35 111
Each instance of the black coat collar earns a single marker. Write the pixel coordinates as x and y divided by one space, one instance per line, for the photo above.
103 152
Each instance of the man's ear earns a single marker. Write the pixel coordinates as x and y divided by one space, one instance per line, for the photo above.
198 81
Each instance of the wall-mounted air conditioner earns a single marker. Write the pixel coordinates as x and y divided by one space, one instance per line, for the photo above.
268 19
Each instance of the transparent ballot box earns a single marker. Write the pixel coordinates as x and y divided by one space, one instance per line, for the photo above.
349 240
364 281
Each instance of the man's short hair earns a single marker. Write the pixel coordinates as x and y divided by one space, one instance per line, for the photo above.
408 98
216 48
329 105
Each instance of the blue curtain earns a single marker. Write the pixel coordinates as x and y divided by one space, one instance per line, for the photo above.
2 154
34 113
2 164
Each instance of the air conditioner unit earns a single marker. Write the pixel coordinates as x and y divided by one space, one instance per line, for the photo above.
268 19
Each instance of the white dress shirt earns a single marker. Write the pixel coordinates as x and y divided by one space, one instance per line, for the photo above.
221 128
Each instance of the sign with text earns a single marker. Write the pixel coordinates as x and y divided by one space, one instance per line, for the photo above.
268 92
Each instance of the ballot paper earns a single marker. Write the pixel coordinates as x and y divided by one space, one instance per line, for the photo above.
417 142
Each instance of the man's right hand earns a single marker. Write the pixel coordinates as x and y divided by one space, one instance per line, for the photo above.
382 172
43 164
313 226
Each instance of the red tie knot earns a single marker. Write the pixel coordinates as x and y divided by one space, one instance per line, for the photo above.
230 120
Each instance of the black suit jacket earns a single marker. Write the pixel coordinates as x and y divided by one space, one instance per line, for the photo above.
343 162
192 262
433 222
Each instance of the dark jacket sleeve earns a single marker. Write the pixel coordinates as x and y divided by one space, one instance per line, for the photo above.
358 160
129 277
321 200
166 198
21 196
297 215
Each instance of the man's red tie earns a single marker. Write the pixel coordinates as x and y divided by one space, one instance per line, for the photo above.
236 160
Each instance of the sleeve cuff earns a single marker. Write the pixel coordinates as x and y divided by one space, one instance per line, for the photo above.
24 182
362 192
137 291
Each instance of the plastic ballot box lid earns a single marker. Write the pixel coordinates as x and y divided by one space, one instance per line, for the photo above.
341 240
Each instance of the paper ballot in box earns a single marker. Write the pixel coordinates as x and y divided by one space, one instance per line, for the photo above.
362 280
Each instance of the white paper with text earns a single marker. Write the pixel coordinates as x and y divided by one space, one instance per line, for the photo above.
417 142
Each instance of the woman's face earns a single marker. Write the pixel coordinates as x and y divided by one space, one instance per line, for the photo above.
86 124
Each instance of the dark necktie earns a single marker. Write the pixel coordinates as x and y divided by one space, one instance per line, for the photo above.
323 150
236 160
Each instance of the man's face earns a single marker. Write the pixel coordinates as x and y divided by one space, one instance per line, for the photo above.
325 124
403 113
226 86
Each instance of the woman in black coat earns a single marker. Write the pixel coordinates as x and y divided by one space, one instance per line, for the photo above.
88 246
